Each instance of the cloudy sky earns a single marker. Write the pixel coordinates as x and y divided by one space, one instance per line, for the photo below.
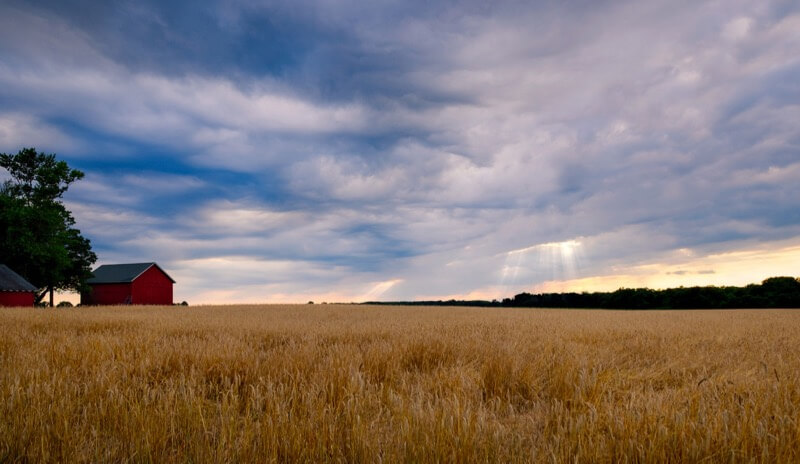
347 151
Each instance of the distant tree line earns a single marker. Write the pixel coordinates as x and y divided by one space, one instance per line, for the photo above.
775 292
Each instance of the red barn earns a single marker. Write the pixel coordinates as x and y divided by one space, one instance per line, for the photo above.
14 289
140 283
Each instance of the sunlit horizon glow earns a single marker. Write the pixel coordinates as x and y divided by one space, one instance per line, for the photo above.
747 266
739 268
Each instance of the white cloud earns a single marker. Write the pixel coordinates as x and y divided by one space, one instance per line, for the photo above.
346 179
110 223
129 190
160 182
233 219
19 130
737 29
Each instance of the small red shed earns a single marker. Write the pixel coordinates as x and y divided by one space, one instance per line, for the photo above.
14 289
138 283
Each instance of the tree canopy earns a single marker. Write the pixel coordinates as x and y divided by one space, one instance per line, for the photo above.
38 239
775 292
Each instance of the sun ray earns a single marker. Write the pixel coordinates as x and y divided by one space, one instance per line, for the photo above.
552 260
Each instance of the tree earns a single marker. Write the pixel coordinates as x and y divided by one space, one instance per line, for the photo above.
37 237
781 292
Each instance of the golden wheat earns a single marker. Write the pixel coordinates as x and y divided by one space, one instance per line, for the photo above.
370 384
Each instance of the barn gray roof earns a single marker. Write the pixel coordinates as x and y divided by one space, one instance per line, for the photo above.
122 273
10 281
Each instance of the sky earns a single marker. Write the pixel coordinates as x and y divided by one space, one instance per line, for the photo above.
335 150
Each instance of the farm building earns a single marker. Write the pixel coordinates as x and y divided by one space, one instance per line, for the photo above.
14 289
139 283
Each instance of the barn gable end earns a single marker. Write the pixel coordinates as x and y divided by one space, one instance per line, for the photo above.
137 283
151 287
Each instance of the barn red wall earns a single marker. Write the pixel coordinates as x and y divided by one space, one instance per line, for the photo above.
16 299
152 287
108 294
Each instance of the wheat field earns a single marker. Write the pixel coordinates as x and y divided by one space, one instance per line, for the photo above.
346 383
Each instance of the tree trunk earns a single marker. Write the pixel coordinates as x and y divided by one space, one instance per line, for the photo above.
51 297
